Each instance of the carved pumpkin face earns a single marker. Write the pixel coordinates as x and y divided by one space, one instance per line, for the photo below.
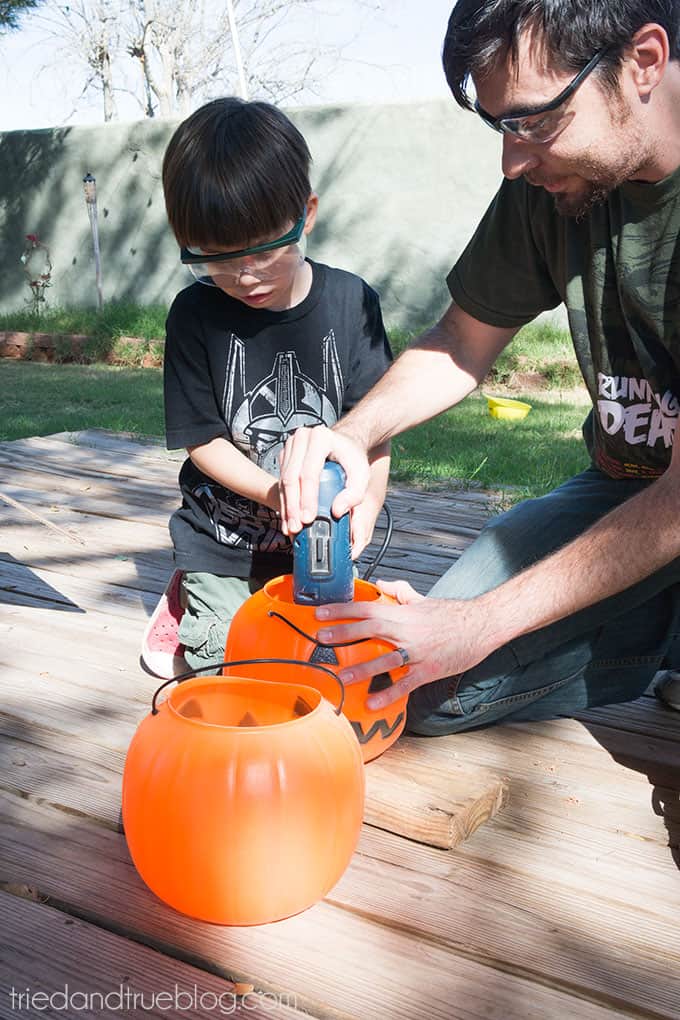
271 624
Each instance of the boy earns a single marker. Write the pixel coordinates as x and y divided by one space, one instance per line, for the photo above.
263 342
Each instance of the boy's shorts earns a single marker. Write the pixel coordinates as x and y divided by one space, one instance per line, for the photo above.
210 604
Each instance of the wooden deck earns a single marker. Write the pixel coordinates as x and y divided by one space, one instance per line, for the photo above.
564 906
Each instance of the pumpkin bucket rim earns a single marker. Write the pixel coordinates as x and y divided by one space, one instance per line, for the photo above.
180 692
280 589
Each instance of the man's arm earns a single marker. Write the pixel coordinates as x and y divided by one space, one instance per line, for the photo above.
631 542
444 637
436 371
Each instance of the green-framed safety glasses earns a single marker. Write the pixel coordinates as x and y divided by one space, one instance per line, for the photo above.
191 256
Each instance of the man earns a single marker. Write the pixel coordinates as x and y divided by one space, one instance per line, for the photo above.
571 600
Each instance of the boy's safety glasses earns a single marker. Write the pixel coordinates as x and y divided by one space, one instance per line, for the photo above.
264 261
542 123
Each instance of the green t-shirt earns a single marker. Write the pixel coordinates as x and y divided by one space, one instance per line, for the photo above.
618 272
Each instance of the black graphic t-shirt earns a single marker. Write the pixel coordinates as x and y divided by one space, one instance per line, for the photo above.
618 272
253 376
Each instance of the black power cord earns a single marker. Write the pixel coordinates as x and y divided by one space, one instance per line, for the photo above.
387 537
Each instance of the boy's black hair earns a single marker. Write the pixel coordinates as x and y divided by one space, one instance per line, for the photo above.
234 172
480 32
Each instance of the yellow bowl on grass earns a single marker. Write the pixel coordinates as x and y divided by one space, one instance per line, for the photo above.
506 409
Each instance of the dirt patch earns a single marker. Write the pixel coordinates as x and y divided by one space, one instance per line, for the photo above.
527 382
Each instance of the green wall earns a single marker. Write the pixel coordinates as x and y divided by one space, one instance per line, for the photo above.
401 190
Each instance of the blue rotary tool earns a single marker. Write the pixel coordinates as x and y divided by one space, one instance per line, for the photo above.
322 561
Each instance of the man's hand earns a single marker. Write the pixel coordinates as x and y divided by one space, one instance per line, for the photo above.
363 518
302 461
441 637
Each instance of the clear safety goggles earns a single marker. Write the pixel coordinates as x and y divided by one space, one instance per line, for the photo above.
267 261
543 123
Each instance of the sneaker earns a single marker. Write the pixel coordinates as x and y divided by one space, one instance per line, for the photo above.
162 652
667 689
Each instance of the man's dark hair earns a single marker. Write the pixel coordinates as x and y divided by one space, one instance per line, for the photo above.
233 172
481 32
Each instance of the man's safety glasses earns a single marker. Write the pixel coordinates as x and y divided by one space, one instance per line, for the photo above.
543 123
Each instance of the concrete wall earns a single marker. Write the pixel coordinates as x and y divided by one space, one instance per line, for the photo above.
401 190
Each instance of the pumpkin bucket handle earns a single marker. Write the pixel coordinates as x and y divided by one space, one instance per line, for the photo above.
251 662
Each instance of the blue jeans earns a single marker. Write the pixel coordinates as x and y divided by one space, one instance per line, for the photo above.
604 654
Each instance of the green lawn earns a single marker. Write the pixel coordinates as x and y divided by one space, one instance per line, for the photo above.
38 399
466 443
534 455
115 319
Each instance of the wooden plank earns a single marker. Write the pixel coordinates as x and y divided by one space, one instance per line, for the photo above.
63 779
595 946
541 832
57 699
89 972
116 459
75 511
345 960
553 778
154 508
154 504
114 448
66 707
64 591
99 454
129 556
408 791
484 887
411 793
574 870
134 561
118 506
419 558
77 788
442 811
111 496
114 649
531 852
646 716
47 454
130 443
68 694
565 751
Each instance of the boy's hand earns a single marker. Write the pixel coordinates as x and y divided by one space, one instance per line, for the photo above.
302 461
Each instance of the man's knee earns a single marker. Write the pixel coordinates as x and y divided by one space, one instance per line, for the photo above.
435 709
507 544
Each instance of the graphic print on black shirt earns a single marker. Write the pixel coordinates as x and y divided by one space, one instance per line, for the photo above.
264 416
261 418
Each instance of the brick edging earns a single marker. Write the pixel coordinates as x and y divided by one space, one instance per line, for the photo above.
51 347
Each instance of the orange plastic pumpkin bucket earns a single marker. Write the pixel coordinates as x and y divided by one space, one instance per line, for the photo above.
242 799
270 624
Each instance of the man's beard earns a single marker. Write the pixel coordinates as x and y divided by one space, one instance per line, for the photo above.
578 205
599 179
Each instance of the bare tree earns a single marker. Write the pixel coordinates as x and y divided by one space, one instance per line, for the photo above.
87 33
181 48
173 54
11 11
